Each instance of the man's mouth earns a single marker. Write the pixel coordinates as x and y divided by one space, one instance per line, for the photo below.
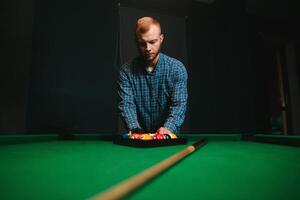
149 54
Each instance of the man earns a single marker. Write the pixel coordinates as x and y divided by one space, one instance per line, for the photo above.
152 86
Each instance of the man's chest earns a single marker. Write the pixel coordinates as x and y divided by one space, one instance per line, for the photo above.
160 84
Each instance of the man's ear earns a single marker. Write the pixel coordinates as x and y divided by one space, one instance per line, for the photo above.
161 37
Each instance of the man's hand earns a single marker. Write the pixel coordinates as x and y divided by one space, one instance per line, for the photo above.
163 130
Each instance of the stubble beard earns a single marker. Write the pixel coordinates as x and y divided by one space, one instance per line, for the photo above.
152 59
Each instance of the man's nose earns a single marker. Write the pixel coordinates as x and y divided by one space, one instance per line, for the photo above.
148 47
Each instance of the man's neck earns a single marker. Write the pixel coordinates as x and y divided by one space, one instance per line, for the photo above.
151 65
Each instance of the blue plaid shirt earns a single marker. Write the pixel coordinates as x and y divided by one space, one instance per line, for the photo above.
150 100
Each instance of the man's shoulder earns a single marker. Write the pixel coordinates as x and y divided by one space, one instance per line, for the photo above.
173 63
129 65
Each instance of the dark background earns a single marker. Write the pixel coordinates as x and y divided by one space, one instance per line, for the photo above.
59 63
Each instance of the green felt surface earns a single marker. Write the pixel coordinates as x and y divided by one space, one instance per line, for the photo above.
81 168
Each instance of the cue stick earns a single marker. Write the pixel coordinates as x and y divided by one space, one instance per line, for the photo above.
127 186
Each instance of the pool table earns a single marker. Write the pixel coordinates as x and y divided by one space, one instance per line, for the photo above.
227 167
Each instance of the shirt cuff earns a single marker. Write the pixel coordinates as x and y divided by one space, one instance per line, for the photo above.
133 126
171 126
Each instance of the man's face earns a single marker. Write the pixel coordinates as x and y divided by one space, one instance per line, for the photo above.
149 43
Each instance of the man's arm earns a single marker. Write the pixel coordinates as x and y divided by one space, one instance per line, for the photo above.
127 106
178 101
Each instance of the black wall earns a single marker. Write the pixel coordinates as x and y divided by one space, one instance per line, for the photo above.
74 67
222 84
16 22
58 66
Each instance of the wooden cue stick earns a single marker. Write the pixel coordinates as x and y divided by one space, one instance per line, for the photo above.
124 188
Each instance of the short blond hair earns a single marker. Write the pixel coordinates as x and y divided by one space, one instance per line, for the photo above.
143 24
